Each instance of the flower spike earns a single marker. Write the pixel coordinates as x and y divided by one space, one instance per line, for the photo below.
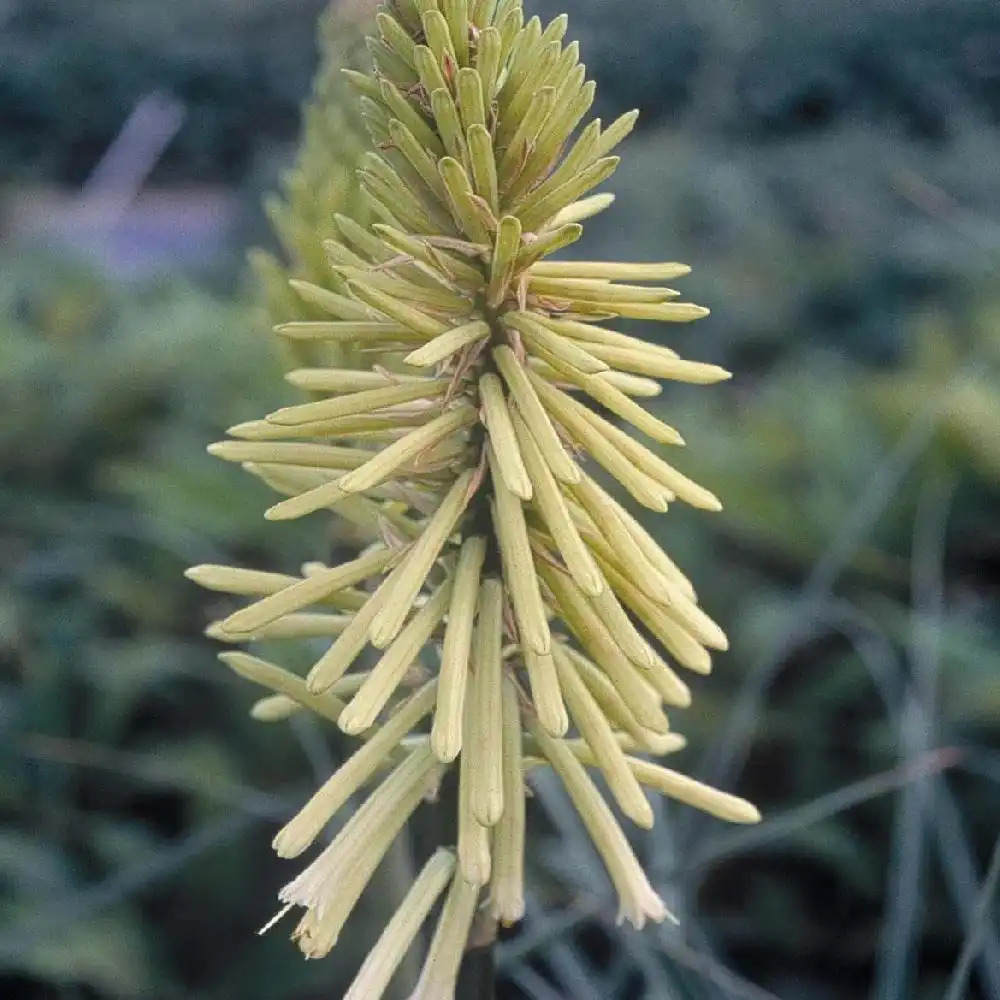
507 610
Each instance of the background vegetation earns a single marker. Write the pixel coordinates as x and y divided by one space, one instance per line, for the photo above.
830 170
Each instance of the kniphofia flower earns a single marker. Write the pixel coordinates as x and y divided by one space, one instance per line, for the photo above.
474 444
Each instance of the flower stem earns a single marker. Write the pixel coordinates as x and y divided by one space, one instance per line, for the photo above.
477 976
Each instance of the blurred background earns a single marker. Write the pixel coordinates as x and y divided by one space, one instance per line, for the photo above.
832 172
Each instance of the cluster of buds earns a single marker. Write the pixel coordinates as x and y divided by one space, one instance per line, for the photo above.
321 182
467 445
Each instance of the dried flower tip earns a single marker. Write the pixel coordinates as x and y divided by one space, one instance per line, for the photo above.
331 886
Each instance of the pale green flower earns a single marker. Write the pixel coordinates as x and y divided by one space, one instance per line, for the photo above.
461 441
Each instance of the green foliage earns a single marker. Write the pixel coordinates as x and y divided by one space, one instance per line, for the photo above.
125 749
133 844
810 67
128 855
71 71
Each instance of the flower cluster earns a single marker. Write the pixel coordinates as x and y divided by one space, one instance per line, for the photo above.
474 445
